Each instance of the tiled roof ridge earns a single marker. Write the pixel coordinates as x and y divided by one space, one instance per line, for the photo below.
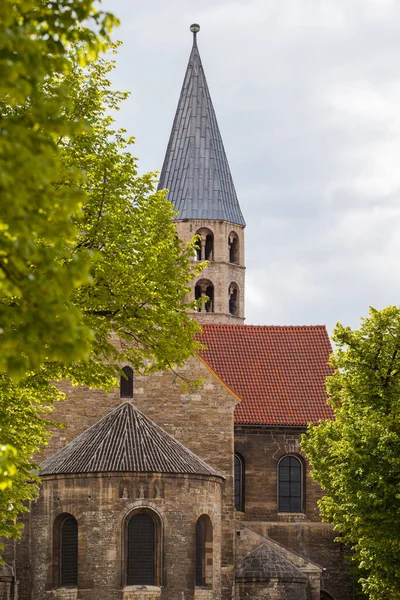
246 326
152 448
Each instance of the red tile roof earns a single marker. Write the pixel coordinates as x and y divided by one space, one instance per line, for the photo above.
278 372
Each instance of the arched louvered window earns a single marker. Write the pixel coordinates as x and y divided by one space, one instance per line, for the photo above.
204 552
126 383
239 482
290 484
66 551
141 559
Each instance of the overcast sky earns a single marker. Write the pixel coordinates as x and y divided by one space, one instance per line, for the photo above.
307 96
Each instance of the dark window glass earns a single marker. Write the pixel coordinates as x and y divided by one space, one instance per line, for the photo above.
233 300
239 483
290 475
141 550
126 383
200 553
233 248
209 305
69 553
209 247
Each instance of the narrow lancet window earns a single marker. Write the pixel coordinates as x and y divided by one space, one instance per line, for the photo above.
141 550
204 552
126 383
65 551
239 482
233 299
233 245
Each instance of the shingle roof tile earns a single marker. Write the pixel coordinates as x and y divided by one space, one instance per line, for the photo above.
125 440
263 564
196 170
279 373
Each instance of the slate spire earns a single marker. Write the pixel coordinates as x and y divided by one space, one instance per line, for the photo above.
195 169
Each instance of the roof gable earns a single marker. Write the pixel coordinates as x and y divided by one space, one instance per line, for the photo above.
278 372
125 440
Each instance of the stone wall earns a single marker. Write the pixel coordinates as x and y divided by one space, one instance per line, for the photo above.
303 532
64 594
273 590
6 591
248 538
102 505
219 271
141 592
261 449
201 420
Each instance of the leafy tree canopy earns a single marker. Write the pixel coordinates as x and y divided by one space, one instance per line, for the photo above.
35 216
356 457
134 300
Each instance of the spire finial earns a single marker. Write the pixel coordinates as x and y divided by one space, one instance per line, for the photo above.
194 28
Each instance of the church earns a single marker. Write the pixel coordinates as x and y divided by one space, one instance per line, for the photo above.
152 493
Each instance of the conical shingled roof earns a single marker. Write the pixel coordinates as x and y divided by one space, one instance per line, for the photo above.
195 169
264 564
125 440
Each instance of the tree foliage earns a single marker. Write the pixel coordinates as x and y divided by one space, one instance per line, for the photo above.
134 299
140 273
35 216
356 457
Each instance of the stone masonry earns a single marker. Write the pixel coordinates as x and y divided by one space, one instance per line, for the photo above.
102 510
304 533
219 271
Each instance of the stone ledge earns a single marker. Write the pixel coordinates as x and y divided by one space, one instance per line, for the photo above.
65 593
203 594
141 592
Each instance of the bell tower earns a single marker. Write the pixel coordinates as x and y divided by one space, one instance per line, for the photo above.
196 173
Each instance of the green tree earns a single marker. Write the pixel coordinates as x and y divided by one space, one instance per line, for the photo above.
135 301
356 457
35 216
140 273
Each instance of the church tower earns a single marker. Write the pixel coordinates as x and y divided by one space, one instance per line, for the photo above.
196 173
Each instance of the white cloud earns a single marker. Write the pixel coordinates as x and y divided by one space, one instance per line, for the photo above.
307 95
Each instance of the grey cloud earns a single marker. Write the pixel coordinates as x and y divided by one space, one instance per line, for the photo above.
306 94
